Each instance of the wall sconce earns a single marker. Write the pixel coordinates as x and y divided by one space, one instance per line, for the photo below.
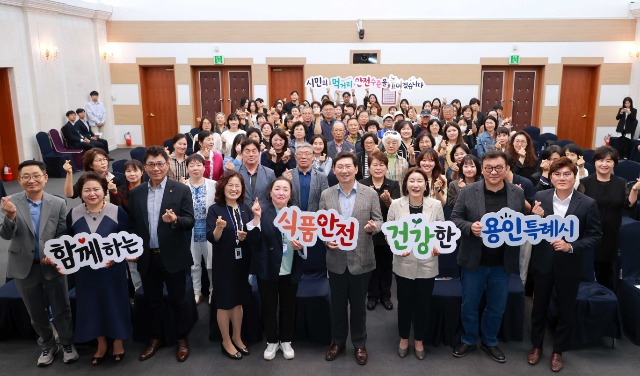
360 29
107 53
634 54
49 52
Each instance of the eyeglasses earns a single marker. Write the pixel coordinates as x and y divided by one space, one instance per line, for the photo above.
29 177
489 169
559 175
100 160
154 165
304 153
520 142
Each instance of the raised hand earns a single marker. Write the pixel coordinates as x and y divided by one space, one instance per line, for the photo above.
256 209
386 197
221 223
67 167
476 228
229 165
322 157
370 226
461 183
296 245
287 174
242 235
537 209
580 161
169 216
111 185
9 208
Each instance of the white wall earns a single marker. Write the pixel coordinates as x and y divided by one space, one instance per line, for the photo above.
43 90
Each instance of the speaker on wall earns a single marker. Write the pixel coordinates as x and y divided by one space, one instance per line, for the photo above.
365 58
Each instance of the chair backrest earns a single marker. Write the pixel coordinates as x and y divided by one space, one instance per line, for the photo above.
193 132
588 271
628 170
532 131
118 166
58 145
448 266
614 142
563 143
169 144
590 167
138 153
629 251
44 143
587 154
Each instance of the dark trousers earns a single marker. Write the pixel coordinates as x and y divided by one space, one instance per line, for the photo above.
566 291
282 294
102 144
152 283
349 290
381 276
604 274
414 296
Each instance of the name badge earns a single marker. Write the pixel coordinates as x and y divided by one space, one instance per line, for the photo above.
238 253
284 249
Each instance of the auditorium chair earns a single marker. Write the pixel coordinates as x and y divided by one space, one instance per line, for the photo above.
628 293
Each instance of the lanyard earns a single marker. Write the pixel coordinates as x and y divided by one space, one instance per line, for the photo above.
234 223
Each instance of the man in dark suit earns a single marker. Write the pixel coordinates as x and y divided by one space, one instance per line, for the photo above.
338 144
161 213
485 270
83 127
73 138
31 218
557 265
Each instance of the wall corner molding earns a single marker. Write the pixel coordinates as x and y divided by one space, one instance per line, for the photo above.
70 7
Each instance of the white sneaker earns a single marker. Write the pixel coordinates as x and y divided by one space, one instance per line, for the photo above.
47 356
270 352
287 350
69 354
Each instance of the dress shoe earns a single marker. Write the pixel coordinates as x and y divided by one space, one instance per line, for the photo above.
387 304
534 356
556 362
150 350
333 352
244 351
420 354
361 356
402 352
183 351
236 356
494 352
117 357
371 304
462 349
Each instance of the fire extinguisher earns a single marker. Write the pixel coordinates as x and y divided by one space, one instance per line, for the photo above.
127 138
607 138
8 174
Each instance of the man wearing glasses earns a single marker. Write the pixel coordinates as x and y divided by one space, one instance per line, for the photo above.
485 270
161 213
31 218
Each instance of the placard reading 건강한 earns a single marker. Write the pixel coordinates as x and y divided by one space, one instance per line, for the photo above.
414 233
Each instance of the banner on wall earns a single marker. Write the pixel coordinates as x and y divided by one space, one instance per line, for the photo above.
415 234
391 82
327 225
70 254
513 228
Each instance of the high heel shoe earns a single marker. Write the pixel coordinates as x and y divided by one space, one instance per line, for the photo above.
236 356
244 351
96 361
117 357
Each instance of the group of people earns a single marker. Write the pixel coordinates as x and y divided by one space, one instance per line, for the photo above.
78 132
217 204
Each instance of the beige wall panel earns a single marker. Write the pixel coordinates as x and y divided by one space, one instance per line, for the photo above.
615 74
549 116
376 31
185 115
127 114
582 60
606 115
553 74
435 74
260 74
156 60
183 74
124 73
286 60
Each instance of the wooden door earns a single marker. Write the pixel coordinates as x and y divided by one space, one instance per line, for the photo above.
210 93
159 107
283 80
492 89
578 94
238 85
8 141
522 99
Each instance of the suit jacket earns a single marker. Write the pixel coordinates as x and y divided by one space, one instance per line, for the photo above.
84 129
469 208
411 267
53 224
318 184
266 243
174 240
71 134
346 146
264 176
543 257
367 206
627 123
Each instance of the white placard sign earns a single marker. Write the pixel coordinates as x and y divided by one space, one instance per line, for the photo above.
414 233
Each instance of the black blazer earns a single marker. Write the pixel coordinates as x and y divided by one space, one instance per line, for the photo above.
84 129
544 259
266 244
627 124
174 239
71 134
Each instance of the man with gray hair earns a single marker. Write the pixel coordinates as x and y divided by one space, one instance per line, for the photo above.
338 144
448 114
308 183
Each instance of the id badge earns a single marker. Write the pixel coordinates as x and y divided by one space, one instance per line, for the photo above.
238 253
284 249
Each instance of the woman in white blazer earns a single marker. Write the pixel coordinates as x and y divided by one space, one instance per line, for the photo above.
414 278
203 193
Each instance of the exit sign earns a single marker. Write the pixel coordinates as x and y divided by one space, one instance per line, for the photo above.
218 59
514 59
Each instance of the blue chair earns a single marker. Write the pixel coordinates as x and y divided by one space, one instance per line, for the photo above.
544 138
168 144
629 170
563 143
614 142
193 132
313 299
118 166
635 154
189 143
14 318
628 294
532 131
590 167
597 311
53 159
138 153
587 154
